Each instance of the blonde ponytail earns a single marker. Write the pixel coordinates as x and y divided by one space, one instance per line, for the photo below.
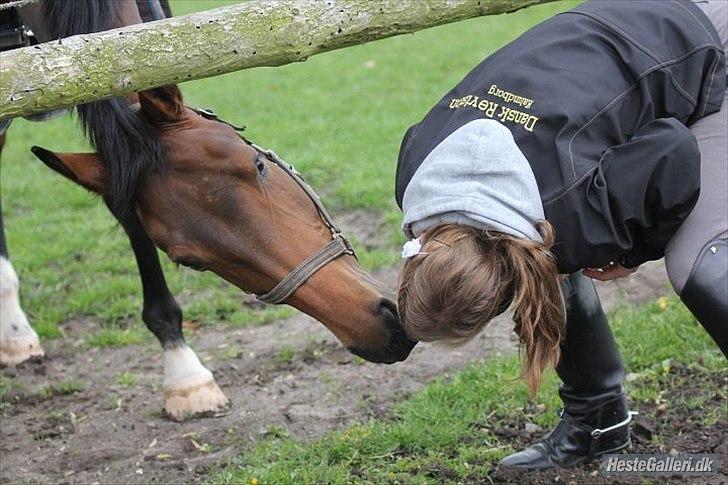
538 307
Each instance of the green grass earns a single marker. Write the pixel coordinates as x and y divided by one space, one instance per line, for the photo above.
285 355
339 117
126 379
62 388
116 337
6 383
449 425
227 353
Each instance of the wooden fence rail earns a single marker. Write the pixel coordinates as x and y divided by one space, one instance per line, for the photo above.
89 67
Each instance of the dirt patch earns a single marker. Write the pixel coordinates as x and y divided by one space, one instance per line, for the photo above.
288 377
681 428
365 226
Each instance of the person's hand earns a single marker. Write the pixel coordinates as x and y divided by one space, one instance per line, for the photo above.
610 272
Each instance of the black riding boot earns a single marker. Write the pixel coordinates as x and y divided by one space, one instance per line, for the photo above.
706 291
595 419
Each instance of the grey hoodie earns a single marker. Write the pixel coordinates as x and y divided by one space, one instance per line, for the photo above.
477 176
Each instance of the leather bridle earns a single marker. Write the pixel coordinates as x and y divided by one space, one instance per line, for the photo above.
338 246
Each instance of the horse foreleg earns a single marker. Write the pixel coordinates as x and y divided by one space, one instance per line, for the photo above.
189 388
18 340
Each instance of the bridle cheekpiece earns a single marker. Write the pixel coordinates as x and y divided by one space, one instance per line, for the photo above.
338 246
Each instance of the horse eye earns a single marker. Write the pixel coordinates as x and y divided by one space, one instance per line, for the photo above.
260 164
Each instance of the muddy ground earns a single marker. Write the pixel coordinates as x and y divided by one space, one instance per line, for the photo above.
286 377
681 427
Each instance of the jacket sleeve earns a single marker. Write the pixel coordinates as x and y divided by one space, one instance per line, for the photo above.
652 182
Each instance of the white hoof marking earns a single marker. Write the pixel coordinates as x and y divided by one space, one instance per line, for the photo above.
18 340
189 388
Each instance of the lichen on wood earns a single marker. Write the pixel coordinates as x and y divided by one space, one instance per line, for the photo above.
90 67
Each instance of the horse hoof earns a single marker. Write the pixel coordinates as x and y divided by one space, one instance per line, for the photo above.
199 397
15 350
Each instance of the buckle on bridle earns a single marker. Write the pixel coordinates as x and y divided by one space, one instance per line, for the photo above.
349 248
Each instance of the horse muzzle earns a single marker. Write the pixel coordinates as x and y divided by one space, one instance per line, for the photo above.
399 346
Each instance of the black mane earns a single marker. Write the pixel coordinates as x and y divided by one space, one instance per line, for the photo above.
127 144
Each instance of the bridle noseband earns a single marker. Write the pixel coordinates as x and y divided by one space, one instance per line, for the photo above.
338 245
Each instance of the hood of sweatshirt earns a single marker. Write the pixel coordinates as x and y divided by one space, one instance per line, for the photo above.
477 176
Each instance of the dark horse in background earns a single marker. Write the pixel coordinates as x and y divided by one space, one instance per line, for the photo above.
184 181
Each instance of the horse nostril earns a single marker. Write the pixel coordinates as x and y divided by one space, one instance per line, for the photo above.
399 346
388 311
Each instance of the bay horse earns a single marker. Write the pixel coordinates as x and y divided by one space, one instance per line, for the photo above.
183 180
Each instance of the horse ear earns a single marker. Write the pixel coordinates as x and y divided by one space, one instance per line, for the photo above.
85 169
162 105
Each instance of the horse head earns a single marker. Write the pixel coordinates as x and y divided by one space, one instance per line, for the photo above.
221 204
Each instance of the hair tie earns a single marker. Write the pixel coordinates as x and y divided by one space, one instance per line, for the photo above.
413 247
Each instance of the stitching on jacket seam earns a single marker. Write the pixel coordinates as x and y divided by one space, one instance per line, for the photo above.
698 21
710 86
617 98
619 31
682 90
567 190
624 34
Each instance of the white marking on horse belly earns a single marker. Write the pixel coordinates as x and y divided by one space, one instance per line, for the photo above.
18 340
181 366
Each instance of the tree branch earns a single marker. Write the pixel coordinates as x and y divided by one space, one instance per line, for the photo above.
90 67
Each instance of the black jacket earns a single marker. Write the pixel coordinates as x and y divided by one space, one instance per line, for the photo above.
597 99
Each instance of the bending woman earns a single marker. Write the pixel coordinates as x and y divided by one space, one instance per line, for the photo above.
575 150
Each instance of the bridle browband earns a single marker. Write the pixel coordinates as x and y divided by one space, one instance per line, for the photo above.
338 246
